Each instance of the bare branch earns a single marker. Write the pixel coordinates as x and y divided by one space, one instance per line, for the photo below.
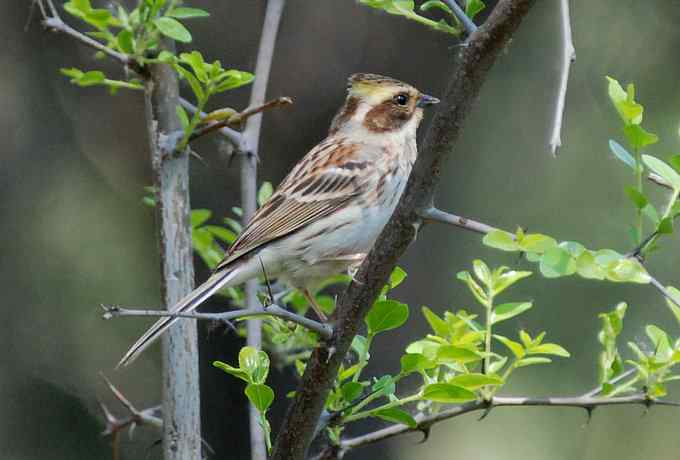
472 66
238 118
470 26
324 330
425 422
136 417
662 289
433 214
250 148
568 56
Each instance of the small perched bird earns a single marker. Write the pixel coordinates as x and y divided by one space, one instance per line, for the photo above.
329 210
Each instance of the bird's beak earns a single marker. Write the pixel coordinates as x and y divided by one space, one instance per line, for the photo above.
426 101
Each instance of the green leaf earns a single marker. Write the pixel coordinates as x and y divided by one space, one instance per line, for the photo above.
167 57
172 28
195 60
260 395
447 393
255 363
638 199
438 4
638 137
549 349
674 161
627 271
475 381
516 348
498 239
351 390
665 227
453 354
199 217
183 117
475 288
386 315
675 294
531 361
629 111
507 279
385 385
264 193
588 268
497 365
482 271
193 82
360 347
659 338
232 79
536 242
474 7
557 262
415 362
396 415
236 372
126 41
438 325
186 13
663 169
621 153
222 233
508 310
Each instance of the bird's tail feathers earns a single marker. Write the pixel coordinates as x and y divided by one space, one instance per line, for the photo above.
186 305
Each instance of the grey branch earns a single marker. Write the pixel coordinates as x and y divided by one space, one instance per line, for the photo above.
324 330
472 66
470 26
249 147
585 402
432 214
662 289
568 56
136 417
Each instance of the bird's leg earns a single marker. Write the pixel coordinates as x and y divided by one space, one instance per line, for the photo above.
312 301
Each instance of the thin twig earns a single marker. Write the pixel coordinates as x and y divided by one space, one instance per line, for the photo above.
662 289
234 137
437 215
239 118
425 422
324 330
470 26
595 391
114 425
568 56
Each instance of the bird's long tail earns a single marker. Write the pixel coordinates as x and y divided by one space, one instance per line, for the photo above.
186 305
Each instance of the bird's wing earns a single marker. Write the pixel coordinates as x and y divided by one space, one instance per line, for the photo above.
328 178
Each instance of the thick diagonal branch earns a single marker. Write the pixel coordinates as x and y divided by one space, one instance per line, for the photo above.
472 66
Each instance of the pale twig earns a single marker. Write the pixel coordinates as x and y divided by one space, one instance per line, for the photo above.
324 330
250 150
470 26
662 289
136 416
424 422
436 215
568 56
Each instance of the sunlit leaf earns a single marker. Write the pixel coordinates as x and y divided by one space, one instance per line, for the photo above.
508 310
172 28
260 395
396 415
386 315
447 393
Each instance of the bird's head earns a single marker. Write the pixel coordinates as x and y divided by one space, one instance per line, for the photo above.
381 105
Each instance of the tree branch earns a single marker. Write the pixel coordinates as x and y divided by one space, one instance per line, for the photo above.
585 402
250 149
472 66
240 117
568 56
325 331
432 214
181 390
470 26
234 137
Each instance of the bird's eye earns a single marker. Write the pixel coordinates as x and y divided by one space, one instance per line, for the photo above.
401 99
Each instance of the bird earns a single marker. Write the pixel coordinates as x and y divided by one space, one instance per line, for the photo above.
328 211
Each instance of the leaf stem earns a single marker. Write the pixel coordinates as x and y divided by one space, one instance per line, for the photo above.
389 405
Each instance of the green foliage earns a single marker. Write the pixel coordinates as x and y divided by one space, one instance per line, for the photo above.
406 8
569 257
454 364
97 78
253 368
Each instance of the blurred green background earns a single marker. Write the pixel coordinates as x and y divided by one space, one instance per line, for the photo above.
75 233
